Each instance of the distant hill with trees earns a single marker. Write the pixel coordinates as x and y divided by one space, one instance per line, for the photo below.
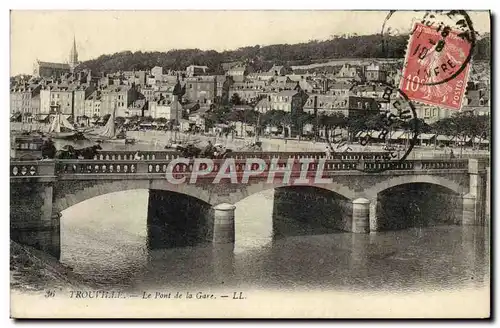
263 57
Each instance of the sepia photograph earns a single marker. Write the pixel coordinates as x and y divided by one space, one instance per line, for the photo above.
250 164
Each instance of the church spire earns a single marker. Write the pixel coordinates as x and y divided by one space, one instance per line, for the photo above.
73 55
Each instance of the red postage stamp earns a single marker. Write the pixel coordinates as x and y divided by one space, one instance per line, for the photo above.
436 66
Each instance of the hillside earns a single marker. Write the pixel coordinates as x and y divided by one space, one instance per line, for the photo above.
262 58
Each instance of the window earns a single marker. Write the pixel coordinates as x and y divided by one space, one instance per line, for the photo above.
435 112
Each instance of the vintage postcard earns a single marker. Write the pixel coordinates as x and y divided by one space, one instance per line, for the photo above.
250 164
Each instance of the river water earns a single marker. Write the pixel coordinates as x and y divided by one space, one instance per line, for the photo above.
104 240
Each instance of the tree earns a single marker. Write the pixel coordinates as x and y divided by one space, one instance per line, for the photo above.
355 124
463 126
235 99
262 58
119 120
419 125
234 116
277 118
250 116
146 119
161 120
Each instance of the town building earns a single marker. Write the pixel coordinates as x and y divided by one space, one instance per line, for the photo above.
56 70
201 89
289 101
339 88
279 83
138 107
219 85
47 70
261 76
327 104
431 114
477 95
198 118
248 91
157 72
264 105
362 106
170 110
238 73
375 73
161 92
148 92
68 98
369 90
93 104
25 101
139 78
280 70
195 70
117 97
349 73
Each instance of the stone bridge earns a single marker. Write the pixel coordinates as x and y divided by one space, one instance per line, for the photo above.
359 187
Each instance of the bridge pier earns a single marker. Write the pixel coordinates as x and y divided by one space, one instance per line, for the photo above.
361 215
470 210
54 244
31 219
223 231
373 215
474 203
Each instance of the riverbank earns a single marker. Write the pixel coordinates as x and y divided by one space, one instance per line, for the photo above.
157 140
32 270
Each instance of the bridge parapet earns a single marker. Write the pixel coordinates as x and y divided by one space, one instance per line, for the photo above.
31 169
119 155
124 168
172 154
99 167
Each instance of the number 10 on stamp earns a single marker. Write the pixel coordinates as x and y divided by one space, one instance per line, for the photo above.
436 67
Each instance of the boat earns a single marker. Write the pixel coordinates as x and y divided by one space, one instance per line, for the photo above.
61 128
109 134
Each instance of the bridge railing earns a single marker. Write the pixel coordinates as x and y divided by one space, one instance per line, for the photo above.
119 155
98 167
157 166
25 169
171 154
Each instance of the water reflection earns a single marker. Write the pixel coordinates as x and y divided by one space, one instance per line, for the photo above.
104 239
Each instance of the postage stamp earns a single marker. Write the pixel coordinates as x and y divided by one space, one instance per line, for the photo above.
436 66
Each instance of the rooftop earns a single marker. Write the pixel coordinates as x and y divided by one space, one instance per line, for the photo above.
53 65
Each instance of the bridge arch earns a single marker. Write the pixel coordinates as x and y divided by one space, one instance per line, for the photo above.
260 186
80 194
372 192
74 194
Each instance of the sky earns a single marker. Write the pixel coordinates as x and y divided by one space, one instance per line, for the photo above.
48 35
